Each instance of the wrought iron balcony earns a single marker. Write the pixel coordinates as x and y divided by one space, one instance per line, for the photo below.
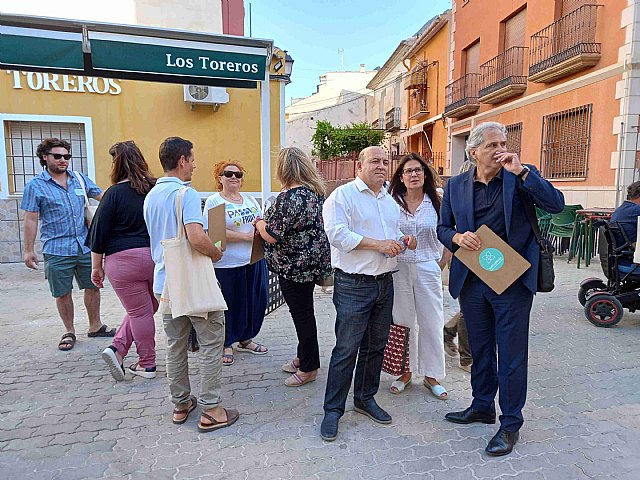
392 119
566 46
417 78
503 76
462 96
418 104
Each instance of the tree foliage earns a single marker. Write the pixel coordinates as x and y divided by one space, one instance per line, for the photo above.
329 141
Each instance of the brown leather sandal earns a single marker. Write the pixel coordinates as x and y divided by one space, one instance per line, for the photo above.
183 411
232 417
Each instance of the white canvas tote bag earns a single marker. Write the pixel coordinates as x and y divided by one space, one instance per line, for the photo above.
191 284
89 209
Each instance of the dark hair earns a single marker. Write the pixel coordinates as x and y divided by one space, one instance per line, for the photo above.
633 191
129 163
431 182
171 150
47 144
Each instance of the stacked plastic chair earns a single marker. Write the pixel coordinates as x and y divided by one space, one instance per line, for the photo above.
563 225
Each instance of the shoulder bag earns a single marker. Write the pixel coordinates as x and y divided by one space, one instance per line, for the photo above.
89 210
546 274
191 287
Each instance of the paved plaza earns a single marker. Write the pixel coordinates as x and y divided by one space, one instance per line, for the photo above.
63 417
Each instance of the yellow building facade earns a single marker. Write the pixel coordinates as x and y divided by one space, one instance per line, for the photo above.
93 113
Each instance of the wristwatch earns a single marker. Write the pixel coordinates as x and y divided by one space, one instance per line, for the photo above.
523 173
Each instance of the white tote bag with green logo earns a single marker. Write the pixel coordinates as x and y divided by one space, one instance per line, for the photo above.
191 286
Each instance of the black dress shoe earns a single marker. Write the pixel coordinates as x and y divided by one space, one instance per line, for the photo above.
329 427
502 443
372 410
471 416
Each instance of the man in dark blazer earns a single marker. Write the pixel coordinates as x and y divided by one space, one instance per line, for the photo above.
488 195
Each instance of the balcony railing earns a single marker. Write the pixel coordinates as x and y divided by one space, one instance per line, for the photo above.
436 159
504 76
417 78
566 46
392 119
418 104
462 96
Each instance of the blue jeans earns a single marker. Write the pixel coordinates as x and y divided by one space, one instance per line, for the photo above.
363 316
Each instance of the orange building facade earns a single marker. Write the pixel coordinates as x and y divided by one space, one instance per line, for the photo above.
559 74
424 129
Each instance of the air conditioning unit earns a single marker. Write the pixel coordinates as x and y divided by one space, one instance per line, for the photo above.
205 95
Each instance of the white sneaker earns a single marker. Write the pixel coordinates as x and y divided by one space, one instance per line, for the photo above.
109 356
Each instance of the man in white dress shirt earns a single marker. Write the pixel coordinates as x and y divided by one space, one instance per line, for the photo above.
361 221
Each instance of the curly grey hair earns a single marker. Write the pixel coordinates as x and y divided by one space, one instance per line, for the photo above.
476 137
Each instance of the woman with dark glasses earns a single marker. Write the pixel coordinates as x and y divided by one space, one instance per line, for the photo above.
243 286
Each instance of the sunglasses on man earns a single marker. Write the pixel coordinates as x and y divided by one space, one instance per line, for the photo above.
58 156
229 174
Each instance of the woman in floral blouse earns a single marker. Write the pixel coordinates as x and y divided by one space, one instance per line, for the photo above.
298 251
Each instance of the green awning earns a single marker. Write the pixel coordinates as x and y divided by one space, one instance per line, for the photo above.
132 52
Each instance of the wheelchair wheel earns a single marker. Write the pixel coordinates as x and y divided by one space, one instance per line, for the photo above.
603 310
588 289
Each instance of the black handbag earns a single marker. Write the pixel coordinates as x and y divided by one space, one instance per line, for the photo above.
546 275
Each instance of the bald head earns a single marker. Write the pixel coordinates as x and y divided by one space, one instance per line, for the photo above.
373 167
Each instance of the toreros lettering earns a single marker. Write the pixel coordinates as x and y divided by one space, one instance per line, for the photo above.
65 83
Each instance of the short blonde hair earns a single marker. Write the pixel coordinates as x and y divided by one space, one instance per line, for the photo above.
294 166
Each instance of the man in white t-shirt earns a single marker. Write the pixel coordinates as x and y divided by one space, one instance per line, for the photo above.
178 162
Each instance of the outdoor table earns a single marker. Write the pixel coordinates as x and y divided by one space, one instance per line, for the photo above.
583 239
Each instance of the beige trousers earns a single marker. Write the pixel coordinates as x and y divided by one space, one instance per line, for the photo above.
210 332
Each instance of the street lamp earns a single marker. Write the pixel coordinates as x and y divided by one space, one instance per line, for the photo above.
288 66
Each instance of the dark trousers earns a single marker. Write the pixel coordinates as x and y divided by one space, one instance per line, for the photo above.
245 291
460 329
363 316
299 298
501 320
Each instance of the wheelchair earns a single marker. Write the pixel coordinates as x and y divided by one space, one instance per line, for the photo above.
604 302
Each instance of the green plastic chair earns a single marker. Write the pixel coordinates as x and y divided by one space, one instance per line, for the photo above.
563 225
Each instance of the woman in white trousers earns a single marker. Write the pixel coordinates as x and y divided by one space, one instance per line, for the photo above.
418 302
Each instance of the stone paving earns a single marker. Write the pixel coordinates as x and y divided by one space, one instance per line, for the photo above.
63 417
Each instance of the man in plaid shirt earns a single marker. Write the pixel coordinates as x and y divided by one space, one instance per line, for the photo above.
56 198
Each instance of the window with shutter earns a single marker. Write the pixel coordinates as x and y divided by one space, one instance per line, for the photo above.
472 58
515 30
566 138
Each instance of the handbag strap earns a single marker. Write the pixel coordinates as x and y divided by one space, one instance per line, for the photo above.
84 189
530 211
179 196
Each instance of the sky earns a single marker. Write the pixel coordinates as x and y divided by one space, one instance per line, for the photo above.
312 31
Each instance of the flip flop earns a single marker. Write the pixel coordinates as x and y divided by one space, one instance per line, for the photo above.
232 417
188 410
68 339
437 390
104 331
256 350
399 386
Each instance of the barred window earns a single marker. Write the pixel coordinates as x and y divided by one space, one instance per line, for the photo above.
22 140
514 137
566 138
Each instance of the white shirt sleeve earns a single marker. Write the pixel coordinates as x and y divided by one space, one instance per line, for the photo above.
336 214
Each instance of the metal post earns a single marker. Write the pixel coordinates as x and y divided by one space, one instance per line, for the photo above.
265 141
